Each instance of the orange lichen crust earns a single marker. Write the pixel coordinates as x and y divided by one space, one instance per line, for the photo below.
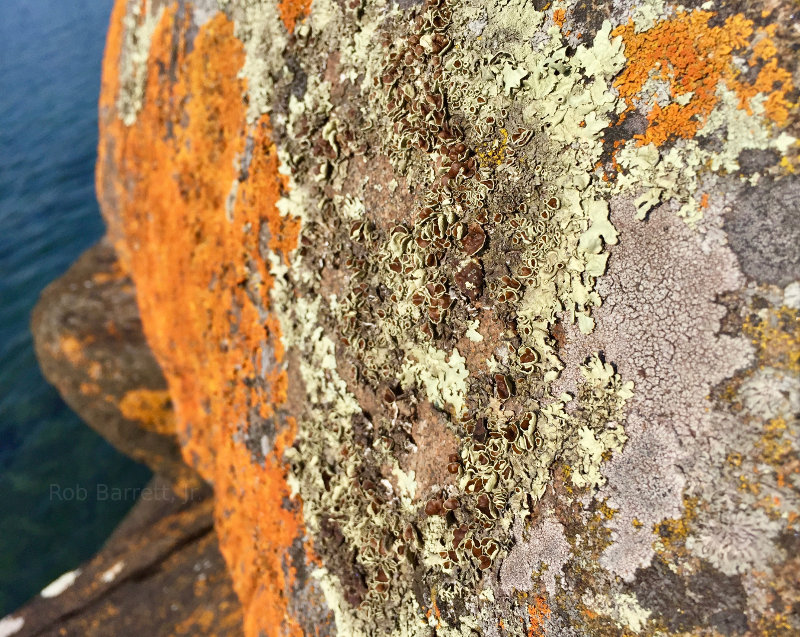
200 288
152 408
72 349
538 612
693 57
293 11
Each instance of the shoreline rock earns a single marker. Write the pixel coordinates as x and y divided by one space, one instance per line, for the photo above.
89 343
159 573
161 570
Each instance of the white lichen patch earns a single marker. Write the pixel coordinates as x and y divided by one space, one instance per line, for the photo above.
11 625
545 550
771 393
736 539
60 584
644 488
139 24
791 296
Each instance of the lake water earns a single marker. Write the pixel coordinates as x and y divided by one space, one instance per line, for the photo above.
50 55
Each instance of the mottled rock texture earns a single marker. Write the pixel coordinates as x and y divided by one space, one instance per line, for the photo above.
161 572
89 342
481 317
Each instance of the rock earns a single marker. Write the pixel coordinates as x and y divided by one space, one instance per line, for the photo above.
461 307
160 573
89 343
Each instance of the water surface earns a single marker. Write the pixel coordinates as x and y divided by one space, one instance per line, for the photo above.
50 55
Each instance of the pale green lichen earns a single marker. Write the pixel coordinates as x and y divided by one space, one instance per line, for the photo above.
646 13
624 608
741 130
472 332
575 230
259 27
443 378
602 402
324 467
531 111
138 28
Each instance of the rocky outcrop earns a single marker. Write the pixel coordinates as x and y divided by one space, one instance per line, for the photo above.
161 573
481 317
90 345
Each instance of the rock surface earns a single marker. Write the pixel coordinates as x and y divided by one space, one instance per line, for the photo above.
480 317
160 573
89 342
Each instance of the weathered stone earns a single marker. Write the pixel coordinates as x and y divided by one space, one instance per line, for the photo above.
89 342
608 410
160 573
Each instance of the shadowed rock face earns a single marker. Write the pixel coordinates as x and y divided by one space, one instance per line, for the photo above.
160 573
89 343
764 231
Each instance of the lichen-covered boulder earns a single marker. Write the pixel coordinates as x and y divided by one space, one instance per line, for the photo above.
481 317
89 343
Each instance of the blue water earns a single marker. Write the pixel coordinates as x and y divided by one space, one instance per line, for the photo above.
50 55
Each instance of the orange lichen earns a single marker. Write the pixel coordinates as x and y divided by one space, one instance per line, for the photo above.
89 389
538 612
559 16
151 408
293 10
197 274
71 348
693 57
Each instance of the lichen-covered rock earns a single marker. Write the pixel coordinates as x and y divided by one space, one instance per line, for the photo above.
89 343
481 317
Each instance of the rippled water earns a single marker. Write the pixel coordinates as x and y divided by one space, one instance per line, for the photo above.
50 54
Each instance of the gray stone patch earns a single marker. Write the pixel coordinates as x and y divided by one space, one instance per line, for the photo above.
705 598
763 229
546 547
